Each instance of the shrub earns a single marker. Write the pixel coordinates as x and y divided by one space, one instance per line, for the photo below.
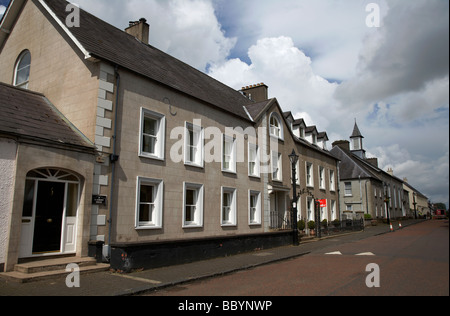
301 224
311 224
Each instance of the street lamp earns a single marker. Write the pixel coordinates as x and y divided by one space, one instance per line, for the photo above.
415 205
293 157
387 199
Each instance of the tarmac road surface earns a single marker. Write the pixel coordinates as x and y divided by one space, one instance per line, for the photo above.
413 261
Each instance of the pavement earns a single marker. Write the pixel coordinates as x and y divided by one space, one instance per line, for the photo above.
108 283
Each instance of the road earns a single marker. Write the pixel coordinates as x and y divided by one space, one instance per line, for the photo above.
413 261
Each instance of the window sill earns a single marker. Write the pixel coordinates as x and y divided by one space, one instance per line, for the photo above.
228 224
229 171
193 225
148 227
193 164
148 156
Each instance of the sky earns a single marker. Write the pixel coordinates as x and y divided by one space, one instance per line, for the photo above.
327 61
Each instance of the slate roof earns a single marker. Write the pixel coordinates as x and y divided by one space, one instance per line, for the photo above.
30 115
109 43
255 109
352 167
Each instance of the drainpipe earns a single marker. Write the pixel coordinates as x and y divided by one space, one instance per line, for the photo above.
113 159
338 166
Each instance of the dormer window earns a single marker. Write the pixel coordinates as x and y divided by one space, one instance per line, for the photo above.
314 138
275 126
22 70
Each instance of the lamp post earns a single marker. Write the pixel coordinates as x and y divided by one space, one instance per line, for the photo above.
317 217
415 205
293 157
386 199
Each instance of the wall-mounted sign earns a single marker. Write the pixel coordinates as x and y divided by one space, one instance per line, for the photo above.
99 199
323 203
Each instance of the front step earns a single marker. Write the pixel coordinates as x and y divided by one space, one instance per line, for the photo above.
51 268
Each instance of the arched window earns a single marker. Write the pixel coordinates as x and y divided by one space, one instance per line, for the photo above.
22 70
275 126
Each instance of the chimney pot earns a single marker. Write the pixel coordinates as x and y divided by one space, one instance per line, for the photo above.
139 29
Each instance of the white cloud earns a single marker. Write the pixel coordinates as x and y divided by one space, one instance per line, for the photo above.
186 29
430 177
288 72
397 61
330 31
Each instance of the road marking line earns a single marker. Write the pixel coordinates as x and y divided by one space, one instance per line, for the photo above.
365 254
137 278
334 253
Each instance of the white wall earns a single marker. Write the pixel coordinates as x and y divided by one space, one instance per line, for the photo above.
8 150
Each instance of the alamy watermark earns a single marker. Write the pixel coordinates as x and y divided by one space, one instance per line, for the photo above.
73 278
373 278
73 18
374 17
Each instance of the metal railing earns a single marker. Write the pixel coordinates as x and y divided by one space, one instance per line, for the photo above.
280 220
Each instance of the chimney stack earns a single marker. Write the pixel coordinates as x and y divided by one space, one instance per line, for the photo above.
257 92
139 29
344 144
373 161
390 171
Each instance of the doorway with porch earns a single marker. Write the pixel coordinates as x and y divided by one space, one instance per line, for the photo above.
280 212
49 214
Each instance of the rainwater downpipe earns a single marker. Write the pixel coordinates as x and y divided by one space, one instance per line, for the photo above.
113 159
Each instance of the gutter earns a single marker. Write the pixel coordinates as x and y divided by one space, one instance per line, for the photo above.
113 159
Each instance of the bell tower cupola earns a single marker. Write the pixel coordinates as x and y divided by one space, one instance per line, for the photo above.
357 143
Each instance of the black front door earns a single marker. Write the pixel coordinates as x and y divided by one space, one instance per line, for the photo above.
49 215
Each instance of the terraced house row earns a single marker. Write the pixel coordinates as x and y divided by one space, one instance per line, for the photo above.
110 144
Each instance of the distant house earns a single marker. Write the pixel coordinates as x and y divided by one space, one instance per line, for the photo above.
364 187
168 165
418 205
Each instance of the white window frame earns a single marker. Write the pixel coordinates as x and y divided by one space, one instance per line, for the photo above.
333 210
232 156
160 135
254 160
256 209
276 131
232 212
309 174
310 209
157 216
198 146
277 166
321 178
198 213
25 83
314 138
302 132
348 192
332 182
